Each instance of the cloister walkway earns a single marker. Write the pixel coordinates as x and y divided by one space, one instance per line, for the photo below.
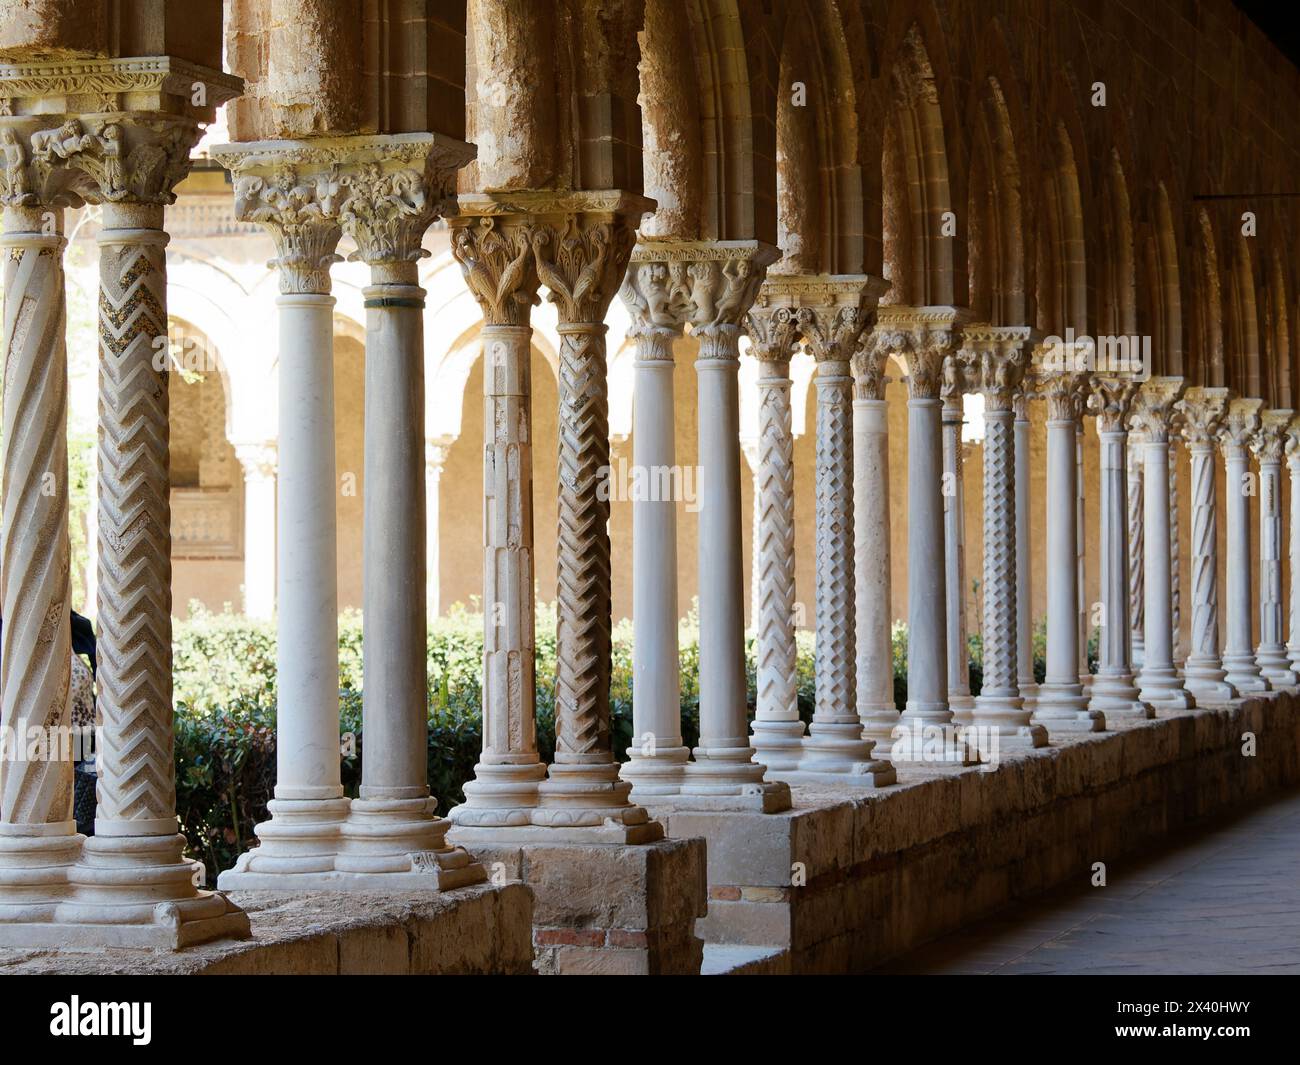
1222 898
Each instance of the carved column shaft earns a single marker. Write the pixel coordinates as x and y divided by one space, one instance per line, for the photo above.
1268 445
954 535
1136 548
1239 426
1293 466
1028 685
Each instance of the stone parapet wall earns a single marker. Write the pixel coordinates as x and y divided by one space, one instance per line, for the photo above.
890 869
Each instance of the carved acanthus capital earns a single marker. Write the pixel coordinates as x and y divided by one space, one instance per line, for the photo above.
1239 425
1293 445
656 293
1111 399
773 332
1064 389
1153 407
992 361
1203 411
923 337
868 367
496 258
1270 438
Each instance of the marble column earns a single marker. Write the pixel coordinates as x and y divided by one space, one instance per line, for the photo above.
393 835
830 322
1175 554
1158 680
954 546
38 835
654 293
1293 542
258 462
1239 425
872 565
926 336
1269 441
778 730
1028 685
1113 692
1081 541
1061 704
1136 546
581 247
298 204
1202 411
435 460
993 360
724 281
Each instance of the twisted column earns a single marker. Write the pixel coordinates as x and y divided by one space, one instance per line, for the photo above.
993 360
954 541
1158 681
1028 685
1293 466
654 293
1113 691
1203 411
835 743
1080 546
1175 555
38 840
1136 545
1061 704
871 564
777 730
1271 656
1239 425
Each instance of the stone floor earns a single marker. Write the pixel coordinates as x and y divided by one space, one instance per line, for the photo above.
1224 898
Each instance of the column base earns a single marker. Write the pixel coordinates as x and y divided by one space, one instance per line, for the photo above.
1243 674
612 831
660 773
876 773
930 742
765 797
1276 667
778 744
962 705
1207 684
989 740
301 837
835 747
1064 708
500 796
1117 696
1029 694
1293 657
585 795
34 869
1163 688
878 724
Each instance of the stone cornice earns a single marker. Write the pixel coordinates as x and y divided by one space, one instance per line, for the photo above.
1270 438
108 86
1203 410
537 204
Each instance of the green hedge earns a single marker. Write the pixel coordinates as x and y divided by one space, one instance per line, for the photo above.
224 675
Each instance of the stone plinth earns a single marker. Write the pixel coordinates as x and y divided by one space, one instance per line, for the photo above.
846 880
604 908
480 929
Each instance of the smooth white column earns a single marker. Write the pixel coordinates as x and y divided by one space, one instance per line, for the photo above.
1080 547
1202 411
1293 467
258 462
1271 655
1061 704
872 558
954 553
1113 691
1027 683
1239 426
657 756
1158 680
435 459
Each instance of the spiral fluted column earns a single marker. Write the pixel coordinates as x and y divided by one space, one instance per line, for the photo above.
1136 547
954 546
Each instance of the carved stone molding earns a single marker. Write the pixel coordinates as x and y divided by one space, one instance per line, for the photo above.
992 361
1111 400
1270 438
1203 411
656 294
923 337
1239 425
1153 407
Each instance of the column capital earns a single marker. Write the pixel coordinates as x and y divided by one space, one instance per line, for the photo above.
656 292
1239 425
724 278
435 453
1270 437
258 460
1293 452
1202 411
923 337
1111 399
1061 380
992 361
1153 407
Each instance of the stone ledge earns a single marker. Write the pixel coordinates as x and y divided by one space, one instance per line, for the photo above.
884 870
608 908
479 929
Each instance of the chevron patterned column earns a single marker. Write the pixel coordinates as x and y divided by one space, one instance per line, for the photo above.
831 324
581 256
38 840
1158 681
1202 411
992 361
1239 426
1271 654
1113 692
778 730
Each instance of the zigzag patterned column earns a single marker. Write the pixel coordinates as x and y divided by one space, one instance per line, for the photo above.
1239 425
1271 654
38 840
654 293
1113 692
1136 546
993 361
871 563
581 257
1159 682
777 731
1202 411
831 327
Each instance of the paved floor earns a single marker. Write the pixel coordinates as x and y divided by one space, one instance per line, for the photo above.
1225 899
